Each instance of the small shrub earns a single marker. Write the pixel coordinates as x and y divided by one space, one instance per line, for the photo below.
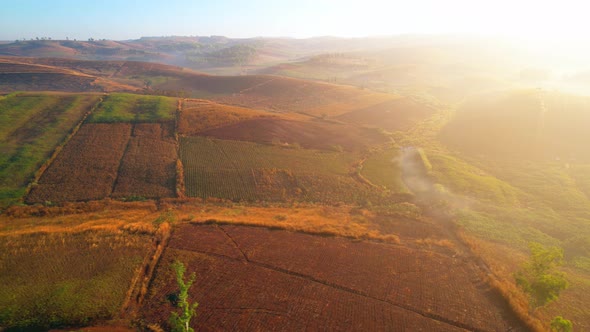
180 323
560 324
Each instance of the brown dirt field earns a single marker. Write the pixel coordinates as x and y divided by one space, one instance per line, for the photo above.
198 115
49 74
396 114
86 168
148 168
276 93
10 82
253 278
310 134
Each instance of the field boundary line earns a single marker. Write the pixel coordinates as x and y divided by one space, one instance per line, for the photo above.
39 173
427 315
235 243
120 167
136 294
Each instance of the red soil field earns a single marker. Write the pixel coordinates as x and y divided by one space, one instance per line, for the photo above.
198 115
310 134
251 278
148 168
396 114
86 168
30 74
112 160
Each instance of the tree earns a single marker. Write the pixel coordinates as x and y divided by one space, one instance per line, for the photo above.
560 324
180 323
539 276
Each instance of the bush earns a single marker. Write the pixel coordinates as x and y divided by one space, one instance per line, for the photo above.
559 324
539 277
180 323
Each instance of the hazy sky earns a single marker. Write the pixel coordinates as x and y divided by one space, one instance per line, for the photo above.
130 19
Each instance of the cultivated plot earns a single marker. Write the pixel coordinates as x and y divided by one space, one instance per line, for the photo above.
246 171
32 125
253 278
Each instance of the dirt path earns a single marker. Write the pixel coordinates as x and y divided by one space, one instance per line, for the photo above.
417 180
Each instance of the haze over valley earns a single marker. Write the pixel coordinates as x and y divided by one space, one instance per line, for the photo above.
268 166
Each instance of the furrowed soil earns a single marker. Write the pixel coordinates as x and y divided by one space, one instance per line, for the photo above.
323 135
148 168
251 278
32 126
87 167
117 160
246 171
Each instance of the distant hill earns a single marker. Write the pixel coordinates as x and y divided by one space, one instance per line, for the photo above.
278 94
216 54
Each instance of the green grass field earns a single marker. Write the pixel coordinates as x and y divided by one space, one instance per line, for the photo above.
32 125
50 280
125 107
250 172
383 169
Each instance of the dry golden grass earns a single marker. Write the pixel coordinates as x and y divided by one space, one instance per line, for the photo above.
107 215
198 115
503 262
337 221
443 243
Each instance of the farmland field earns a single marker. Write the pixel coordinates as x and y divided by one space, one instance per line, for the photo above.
125 107
87 167
198 115
383 169
66 278
32 125
118 160
254 278
318 134
247 171
148 168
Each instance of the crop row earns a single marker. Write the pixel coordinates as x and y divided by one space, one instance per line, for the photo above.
32 125
247 171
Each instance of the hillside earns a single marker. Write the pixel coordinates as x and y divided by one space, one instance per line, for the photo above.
533 124
338 197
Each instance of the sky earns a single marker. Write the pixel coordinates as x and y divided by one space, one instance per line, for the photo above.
132 19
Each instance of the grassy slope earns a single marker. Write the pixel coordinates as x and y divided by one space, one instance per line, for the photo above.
31 126
125 107
506 199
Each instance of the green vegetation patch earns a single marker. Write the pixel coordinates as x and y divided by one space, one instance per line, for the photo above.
247 171
383 169
32 125
125 107
465 179
64 279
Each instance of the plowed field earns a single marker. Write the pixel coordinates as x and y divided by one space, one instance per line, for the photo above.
258 279
87 167
148 167
118 160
